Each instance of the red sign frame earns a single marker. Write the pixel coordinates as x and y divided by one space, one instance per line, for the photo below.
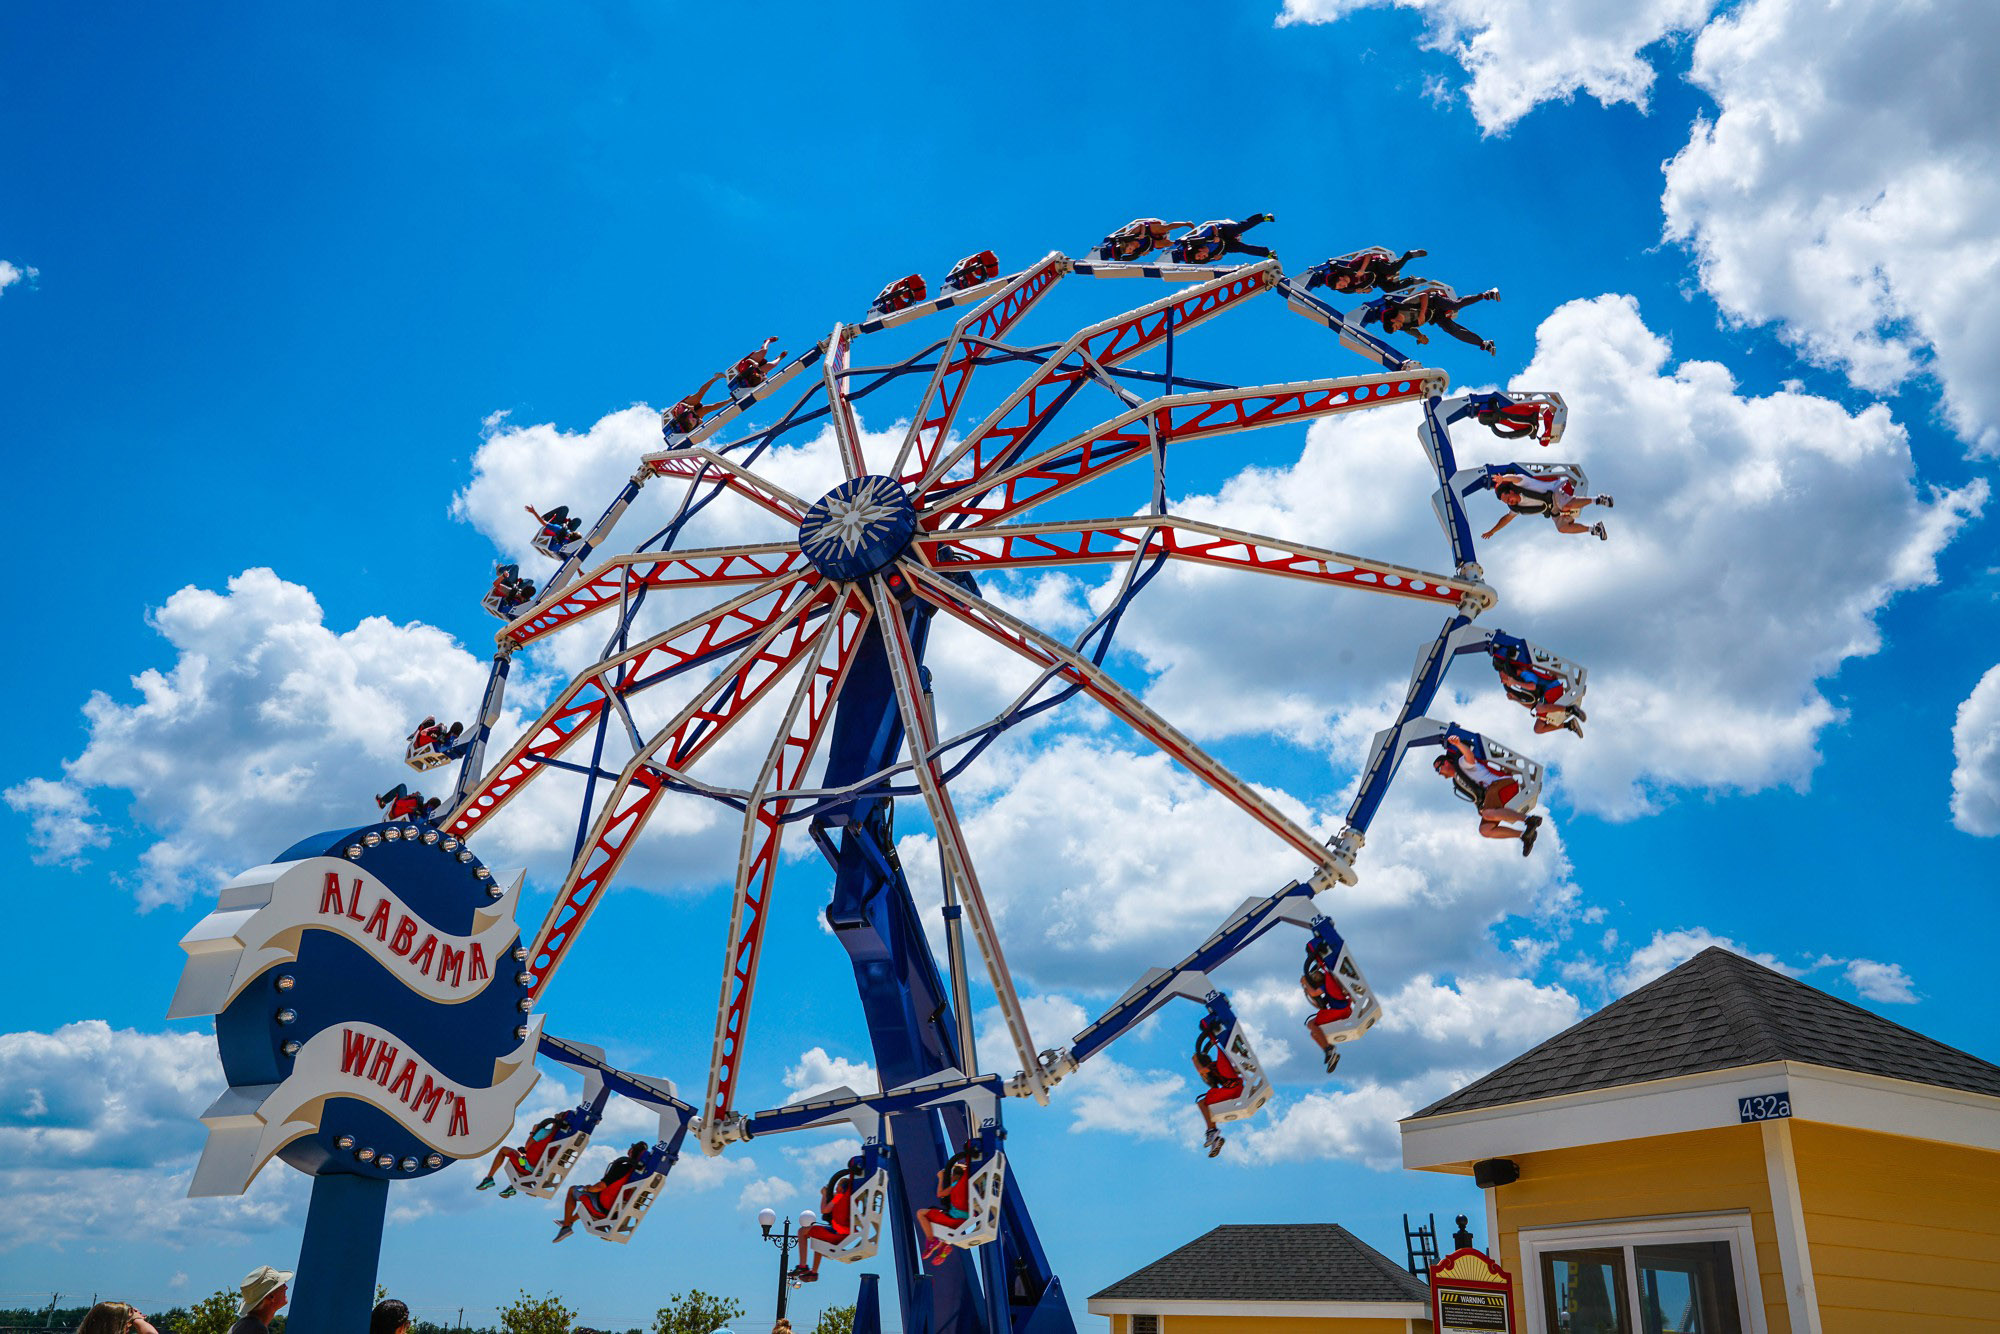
1472 1273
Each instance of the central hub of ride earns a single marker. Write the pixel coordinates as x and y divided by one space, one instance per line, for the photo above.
859 527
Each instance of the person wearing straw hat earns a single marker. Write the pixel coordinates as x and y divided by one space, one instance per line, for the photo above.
265 1293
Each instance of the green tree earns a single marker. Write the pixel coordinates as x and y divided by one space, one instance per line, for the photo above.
695 1312
835 1320
535 1315
213 1314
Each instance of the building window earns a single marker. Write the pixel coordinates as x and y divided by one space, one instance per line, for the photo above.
1643 1276
1145 1324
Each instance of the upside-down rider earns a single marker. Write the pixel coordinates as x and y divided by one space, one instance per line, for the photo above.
1212 240
836 1214
1489 788
1510 420
1546 493
429 736
752 370
954 1206
1224 1082
1331 1004
600 1199
528 1158
686 415
509 588
1364 271
400 803
558 525
1536 690
1434 305
1140 237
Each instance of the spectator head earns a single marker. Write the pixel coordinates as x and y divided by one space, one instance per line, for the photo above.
265 1292
115 1318
389 1317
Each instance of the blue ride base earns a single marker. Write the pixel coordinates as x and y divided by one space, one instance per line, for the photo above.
1005 1286
333 1291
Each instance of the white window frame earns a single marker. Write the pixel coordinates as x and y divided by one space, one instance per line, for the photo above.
1626 1233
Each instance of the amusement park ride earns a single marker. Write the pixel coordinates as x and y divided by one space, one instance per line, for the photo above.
831 625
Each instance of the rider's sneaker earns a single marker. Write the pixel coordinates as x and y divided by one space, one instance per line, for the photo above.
562 1233
1528 834
1605 501
1332 1059
1491 294
1598 529
1487 347
507 1194
485 1185
1214 1142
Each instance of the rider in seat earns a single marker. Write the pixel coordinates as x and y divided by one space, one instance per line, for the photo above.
559 527
1510 420
1537 690
1138 238
901 294
686 416
1331 1004
509 589
1217 1071
1549 494
954 1196
1212 240
429 736
600 1199
836 1212
399 803
546 1133
1433 305
972 271
753 370
1489 788
1364 271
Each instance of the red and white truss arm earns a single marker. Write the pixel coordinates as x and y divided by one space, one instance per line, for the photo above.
846 431
1104 541
791 755
1114 340
920 735
583 701
938 408
1045 652
612 582
716 708
701 464
1177 417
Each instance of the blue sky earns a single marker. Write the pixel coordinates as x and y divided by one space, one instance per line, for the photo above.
332 294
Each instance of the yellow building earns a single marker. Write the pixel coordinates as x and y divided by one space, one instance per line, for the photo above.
1728 1149
1269 1278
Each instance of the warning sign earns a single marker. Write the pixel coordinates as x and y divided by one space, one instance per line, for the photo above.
1471 1295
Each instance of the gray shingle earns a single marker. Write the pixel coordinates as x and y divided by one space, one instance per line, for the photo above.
1272 1262
1717 1011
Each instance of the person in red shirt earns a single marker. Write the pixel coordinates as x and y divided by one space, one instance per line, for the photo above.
1331 1003
686 415
751 371
543 1137
600 1199
1139 237
1217 1071
954 1193
1489 788
836 1209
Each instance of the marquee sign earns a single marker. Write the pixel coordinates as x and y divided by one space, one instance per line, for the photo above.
370 1008
1470 1294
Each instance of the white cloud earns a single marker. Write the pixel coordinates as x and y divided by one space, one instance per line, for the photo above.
1754 542
268 726
818 1072
1521 53
1845 189
1886 982
114 1115
1975 748
1668 950
11 273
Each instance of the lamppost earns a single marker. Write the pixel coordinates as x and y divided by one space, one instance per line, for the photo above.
784 1241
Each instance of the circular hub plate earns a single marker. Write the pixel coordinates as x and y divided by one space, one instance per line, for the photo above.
857 528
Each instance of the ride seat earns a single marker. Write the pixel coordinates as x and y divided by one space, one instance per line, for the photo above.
547 1178
624 1216
867 1205
972 271
425 758
1256 1084
982 1205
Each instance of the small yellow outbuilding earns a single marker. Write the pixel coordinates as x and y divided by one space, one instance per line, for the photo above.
1728 1149
1269 1278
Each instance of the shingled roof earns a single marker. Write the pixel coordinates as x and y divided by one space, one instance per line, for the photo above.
1717 1011
1272 1262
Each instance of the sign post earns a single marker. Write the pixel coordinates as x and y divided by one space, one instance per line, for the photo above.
1470 1293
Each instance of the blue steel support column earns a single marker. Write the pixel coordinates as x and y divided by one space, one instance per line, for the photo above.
334 1289
868 1305
907 1003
